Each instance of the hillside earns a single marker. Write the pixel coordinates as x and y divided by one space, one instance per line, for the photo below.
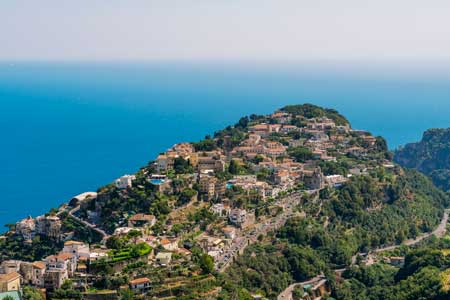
430 156
266 203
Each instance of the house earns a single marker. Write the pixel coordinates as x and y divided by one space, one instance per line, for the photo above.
37 278
26 228
140 284
184 252
49 226
169 245
125 181
238 216
141 220
282 117
397 261
10 266
54 278
63 261
335 180
10 282
220 209
32 273
229 232
79 249
211 187
164 163
211 163
164 258
313 179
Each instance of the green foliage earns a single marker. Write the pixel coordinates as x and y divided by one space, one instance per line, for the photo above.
206 263
300 153
312 111
186 196
66 292
207 144
182 166
431 156
32 293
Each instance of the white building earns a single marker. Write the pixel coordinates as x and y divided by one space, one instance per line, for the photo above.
220 209
164 258
78 249
125 181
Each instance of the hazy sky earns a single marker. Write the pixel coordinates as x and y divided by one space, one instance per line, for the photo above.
225 29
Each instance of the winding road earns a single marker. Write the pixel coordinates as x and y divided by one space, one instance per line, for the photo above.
104 235
438 232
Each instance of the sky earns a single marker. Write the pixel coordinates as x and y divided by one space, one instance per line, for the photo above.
290 30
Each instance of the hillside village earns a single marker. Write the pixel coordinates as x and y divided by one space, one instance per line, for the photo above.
183 219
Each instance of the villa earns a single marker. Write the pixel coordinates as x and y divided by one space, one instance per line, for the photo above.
125 181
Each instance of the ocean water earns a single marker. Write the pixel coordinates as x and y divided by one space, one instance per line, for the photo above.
67 128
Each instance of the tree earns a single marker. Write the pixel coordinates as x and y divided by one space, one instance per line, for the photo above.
31 293
115 242
234 167
206 263
300 154
126 294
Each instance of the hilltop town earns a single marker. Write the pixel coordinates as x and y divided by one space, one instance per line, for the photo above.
176 227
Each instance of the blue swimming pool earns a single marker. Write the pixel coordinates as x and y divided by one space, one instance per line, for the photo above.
157 181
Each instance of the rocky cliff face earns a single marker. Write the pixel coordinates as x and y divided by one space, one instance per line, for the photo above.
430 156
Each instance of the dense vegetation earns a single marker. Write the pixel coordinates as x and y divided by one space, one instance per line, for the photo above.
368 212
313 111
431 156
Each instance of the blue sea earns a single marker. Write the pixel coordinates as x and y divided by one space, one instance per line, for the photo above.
67 128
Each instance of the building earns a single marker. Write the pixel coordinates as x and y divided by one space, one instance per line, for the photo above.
207 186
164 258
79 249
63 261
49 226
313 179
335 180
281 117
169 244
211 163
38 275
26 228
238 216
229 232
10 266
141 220
10 282
220 209
53 279
140 284
125 181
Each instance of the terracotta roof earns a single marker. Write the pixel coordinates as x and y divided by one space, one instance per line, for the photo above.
64 255
142 217
39 264
69 243
9 277
165 242
140 280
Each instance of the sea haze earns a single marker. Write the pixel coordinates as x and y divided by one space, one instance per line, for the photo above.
72 127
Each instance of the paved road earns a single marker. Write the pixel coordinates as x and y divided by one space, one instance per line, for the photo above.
438 232
287 293
104 235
